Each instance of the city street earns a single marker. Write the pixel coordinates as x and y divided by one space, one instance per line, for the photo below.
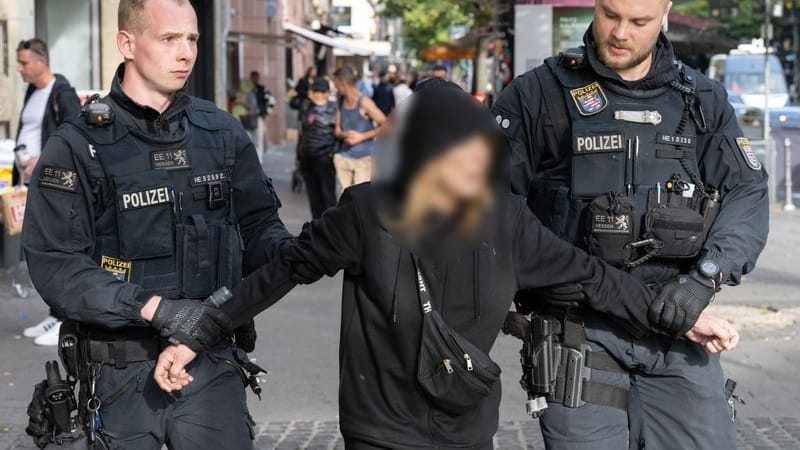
298 343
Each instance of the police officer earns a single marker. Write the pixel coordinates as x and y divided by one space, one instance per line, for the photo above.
640 160
137 211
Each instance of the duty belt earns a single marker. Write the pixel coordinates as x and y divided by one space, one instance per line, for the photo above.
121 352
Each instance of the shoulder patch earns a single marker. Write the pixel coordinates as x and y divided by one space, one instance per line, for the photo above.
590 99
58 178
748 154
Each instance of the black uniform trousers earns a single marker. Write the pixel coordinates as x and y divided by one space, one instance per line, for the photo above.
320 177
208 414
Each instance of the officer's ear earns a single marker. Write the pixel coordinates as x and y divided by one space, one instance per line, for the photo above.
665 19
126 43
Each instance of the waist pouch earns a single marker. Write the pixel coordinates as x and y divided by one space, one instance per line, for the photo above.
209 256
612 224
453 372
680 231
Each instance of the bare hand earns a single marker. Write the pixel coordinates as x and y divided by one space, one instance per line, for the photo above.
170 372
29 166
353 138
714 334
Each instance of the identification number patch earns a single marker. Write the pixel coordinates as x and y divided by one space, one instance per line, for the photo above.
120 269
671 139
748 154
170 159
206 178
58 178
611 224
148 197
599 143
590 99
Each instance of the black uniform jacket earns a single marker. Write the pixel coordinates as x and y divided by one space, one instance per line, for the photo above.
472 287
739 232
61 224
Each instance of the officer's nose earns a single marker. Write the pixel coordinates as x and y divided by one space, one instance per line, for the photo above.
619 32
186 51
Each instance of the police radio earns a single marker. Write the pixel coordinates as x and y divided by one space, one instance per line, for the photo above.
573 58
97 114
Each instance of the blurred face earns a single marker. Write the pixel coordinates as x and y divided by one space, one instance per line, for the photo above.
319 97
463 171
439 74
626 31
30 65
164 51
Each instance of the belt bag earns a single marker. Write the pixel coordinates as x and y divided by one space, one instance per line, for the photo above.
681 231
454 373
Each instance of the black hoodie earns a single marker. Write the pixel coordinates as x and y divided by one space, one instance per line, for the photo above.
472 286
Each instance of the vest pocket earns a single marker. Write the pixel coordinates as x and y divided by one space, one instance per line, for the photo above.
210 256
598 162
144 215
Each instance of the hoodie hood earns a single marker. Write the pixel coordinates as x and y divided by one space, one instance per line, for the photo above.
438 116
663 69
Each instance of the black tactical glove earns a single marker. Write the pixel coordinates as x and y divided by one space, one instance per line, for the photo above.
39 426
679 304
517 325
245 336
191 322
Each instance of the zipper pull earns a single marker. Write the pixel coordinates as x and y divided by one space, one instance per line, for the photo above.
469 362
448 366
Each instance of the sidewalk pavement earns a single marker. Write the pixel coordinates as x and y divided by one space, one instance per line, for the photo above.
298 343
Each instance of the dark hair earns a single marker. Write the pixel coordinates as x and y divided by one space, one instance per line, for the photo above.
254 73
439 67
346 74
308 71
35 45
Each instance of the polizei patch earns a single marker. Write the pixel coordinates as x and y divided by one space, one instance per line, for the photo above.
170 159
149 197
600 143
590 99
58 178
120 269
611 224
748 154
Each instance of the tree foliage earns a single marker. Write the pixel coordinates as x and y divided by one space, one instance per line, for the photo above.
747 25
428 22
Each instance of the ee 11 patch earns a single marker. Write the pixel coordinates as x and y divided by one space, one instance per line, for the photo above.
611 224
170 159
590 99
748 154
58 178
120 269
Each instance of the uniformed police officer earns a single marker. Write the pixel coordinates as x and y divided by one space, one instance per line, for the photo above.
638 159
137 213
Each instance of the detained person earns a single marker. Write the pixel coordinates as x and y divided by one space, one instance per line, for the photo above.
432 259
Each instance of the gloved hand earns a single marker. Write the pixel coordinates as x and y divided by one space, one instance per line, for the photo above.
191 322
39 426
679 304
245 336
517 325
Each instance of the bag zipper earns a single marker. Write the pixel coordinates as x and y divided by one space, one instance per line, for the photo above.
469 362
448 365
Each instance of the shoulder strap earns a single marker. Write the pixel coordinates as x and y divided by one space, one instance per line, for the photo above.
554 101
425 299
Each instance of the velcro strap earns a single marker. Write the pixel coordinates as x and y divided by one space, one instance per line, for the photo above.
674 153
574 333
603 394
122 352
603 361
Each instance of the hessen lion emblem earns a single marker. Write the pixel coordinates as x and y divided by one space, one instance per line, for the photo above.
590 99
749 155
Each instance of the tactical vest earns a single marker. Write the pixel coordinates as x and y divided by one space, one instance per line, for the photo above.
634 170
164 214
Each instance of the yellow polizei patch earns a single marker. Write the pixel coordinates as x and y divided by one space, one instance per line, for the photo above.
590 99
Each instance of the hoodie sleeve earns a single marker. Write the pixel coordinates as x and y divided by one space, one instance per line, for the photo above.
542 260
325 246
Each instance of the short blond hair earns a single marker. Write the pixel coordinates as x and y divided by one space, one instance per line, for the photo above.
130 14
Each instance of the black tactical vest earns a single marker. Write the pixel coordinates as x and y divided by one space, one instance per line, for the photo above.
633 155
164 213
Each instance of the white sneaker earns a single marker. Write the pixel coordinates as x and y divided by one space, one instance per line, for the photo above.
41 327
50 337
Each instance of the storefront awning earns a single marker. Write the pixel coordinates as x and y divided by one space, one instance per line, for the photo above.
343 46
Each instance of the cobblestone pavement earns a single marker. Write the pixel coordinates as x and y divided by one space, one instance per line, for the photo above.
754 434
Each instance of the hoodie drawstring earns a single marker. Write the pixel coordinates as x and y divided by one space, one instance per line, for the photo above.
396 282
476 286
